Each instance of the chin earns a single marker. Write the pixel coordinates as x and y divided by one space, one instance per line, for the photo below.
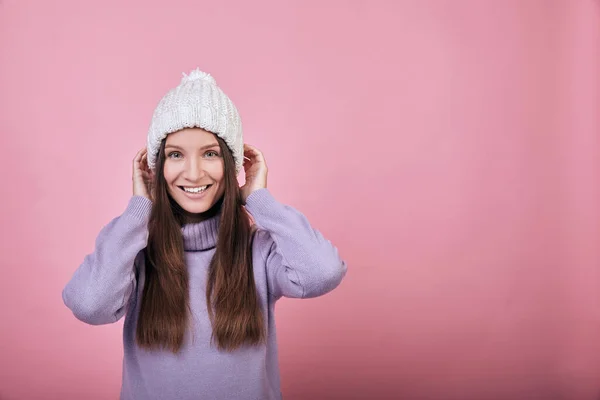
195 207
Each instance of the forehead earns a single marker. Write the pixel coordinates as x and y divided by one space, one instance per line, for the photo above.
191 138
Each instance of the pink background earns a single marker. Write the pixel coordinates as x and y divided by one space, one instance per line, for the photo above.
448 148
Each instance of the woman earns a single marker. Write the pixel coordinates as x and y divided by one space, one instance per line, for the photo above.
196 279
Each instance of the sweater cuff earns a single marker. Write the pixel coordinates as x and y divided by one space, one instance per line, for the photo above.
139 207
260 201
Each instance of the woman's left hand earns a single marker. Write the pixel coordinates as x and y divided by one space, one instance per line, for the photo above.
255 169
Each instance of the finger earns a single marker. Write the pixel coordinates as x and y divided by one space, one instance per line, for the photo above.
144 160
252 152
139 154
138 163
249 147
255 156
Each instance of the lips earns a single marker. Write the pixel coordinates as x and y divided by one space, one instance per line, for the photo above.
195 193
196 189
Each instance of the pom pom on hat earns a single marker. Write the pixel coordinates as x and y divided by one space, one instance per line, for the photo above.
197 75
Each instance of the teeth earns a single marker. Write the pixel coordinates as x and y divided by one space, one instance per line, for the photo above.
195 190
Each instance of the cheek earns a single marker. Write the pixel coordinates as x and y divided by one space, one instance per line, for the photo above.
216 172
169 173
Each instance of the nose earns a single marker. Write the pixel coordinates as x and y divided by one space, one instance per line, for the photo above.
194 169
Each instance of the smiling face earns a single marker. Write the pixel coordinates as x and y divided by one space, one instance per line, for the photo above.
194 169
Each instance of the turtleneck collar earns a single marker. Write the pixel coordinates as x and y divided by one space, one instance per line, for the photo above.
200 236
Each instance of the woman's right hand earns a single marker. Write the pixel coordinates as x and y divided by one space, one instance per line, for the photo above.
143 177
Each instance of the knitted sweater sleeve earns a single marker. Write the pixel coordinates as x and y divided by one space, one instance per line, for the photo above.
99 290
300 262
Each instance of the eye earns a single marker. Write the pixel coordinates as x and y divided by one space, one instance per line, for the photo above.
174 154
212 153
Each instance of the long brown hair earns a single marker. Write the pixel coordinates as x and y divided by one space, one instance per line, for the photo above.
231 295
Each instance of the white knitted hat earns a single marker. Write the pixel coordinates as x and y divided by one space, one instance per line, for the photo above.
196 103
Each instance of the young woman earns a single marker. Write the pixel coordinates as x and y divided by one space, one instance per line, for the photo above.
195 263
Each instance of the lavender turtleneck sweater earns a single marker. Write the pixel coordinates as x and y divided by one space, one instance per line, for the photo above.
290 259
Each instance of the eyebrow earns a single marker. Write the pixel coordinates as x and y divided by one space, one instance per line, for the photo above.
208 146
